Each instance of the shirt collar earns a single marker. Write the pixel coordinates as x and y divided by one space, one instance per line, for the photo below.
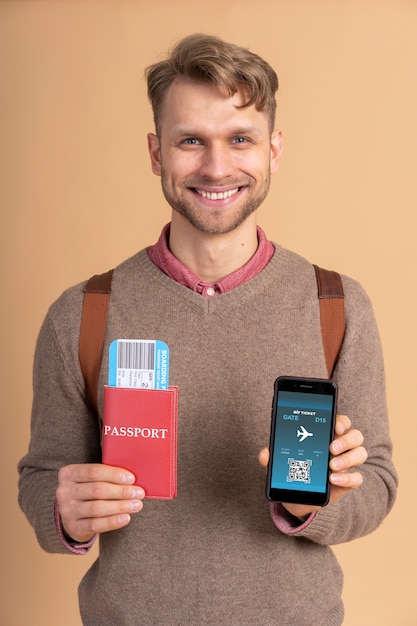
163 258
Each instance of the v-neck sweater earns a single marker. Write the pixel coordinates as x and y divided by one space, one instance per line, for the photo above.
213 555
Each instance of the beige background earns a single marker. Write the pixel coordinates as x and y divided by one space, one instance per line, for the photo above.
77 197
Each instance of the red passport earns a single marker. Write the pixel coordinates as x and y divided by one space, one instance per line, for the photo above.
140 435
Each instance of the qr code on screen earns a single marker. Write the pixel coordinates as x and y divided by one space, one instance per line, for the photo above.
299 471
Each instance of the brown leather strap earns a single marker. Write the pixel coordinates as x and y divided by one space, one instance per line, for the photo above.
332 314
92 331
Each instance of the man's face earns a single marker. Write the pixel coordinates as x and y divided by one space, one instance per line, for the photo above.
214 158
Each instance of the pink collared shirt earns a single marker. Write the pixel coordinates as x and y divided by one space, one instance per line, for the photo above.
163 258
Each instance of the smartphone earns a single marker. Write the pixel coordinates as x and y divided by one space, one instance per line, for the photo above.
302 428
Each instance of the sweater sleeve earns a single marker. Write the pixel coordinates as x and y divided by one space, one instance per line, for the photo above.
361 381
63 430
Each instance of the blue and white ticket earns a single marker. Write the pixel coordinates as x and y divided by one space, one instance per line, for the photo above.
139 363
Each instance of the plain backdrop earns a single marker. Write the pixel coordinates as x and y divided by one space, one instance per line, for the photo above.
77 197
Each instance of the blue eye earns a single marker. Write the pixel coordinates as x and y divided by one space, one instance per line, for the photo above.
191 141
239 140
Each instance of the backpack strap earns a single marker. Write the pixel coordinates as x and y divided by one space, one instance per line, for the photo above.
94 319
332 314
92 331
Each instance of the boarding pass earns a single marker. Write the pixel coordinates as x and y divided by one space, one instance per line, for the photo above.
139 363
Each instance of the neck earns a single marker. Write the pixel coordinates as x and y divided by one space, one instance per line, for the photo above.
212 256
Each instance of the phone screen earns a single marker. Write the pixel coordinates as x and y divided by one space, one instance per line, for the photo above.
303 415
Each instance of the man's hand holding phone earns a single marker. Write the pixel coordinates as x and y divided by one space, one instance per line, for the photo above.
347 453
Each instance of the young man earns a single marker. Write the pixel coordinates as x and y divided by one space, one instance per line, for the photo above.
236 312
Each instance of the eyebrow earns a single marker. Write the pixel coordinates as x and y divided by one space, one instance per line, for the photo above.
183 131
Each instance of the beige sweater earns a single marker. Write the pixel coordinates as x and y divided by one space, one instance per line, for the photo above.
213 555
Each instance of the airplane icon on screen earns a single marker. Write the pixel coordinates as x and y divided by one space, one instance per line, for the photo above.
303 434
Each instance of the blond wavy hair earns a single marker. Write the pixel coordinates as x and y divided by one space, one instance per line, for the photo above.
205 58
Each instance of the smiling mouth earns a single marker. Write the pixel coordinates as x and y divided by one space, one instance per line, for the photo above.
217 195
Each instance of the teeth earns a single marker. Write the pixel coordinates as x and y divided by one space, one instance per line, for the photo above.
221 195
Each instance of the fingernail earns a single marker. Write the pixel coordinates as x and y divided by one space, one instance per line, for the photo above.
128 479
337 447
138 494
337 464
336 479
135 505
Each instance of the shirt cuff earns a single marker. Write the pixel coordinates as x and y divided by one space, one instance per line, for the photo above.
73 546
287 523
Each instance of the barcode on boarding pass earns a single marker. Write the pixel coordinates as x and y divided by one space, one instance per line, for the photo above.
138 363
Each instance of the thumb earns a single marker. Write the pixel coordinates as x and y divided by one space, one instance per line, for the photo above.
263 457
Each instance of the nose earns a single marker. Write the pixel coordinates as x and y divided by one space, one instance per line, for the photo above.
217 162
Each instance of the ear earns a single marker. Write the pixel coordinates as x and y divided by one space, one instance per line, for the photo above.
155 153
276 150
